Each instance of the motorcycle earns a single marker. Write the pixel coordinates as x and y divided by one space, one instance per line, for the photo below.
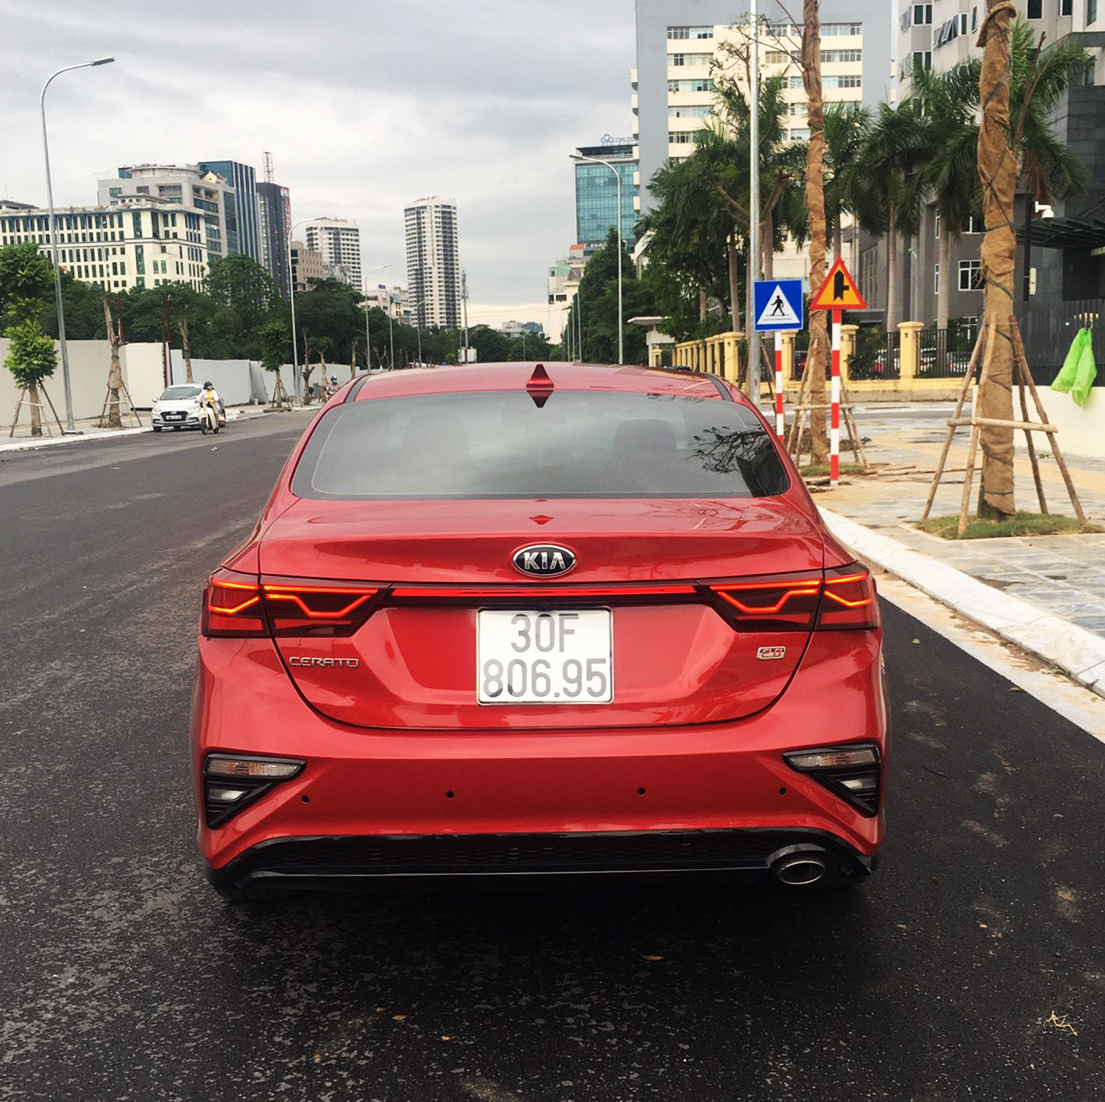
210 421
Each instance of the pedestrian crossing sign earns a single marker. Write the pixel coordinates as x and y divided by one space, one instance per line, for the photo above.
778 304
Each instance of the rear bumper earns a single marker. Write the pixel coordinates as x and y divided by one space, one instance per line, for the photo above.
355 863
376 805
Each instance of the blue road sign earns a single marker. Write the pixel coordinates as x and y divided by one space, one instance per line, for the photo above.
778 304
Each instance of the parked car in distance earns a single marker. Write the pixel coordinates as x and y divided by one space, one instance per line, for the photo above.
513 621
178 407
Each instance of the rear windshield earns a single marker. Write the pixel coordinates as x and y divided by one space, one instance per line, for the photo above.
175 393
497 444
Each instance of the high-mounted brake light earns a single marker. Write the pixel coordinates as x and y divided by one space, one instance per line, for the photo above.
240 605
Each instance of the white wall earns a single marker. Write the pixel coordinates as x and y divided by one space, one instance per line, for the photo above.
239 382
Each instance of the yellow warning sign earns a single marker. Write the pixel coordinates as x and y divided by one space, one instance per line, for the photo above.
839 291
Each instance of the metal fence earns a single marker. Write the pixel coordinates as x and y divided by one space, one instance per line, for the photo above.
946 353
876 355
1049 328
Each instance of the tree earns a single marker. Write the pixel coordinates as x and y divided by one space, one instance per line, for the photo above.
846 127
244 297
817 359
275 341
26 278
331 309
885 186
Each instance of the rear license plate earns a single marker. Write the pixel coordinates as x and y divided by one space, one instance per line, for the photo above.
532 657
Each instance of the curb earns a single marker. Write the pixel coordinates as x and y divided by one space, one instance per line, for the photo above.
1077 652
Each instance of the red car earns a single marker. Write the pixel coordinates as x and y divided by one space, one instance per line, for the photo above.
512 621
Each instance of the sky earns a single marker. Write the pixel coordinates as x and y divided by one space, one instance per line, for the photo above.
365 107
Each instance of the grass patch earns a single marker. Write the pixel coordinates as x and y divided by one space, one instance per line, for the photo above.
823 472
1021 524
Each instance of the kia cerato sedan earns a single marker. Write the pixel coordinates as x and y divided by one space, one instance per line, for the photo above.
514 621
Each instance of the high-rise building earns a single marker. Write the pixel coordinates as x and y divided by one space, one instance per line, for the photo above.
338 242
274 210
433 262
245 237
207 194
679 42
597 191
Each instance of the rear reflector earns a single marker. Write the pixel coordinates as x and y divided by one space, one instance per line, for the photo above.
854 773
240 605
231 782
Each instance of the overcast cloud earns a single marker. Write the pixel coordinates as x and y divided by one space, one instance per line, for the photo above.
364 107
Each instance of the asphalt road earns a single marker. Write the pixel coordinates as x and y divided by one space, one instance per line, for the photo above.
970 967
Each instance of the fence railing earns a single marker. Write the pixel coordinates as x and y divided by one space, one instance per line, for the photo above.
1049 328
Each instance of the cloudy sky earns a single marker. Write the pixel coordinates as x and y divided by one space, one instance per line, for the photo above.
365 106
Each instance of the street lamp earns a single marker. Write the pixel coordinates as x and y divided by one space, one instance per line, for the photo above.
367 345
618 178
69 426
291 302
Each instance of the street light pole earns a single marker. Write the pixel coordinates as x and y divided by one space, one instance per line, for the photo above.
69 426
291 303
367 345
621 311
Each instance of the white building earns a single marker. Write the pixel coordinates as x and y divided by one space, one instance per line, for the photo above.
146 243
433 262
206 194
338 242
307 265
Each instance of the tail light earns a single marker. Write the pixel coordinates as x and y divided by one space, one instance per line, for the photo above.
241 605
840 598
231 782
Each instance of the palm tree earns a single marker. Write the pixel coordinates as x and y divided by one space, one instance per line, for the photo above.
884 184
846 130
948 102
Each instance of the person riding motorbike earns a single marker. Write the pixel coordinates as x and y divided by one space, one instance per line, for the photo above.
209 398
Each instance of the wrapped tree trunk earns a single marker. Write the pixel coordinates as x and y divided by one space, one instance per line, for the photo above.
997 166
183 323
115 372
817 359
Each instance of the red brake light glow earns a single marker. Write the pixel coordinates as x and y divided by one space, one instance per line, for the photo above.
844 598
238 605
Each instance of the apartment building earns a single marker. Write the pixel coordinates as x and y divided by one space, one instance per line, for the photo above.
433 262
682 45
144 243
338 242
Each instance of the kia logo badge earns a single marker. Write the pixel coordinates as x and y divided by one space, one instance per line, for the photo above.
544 560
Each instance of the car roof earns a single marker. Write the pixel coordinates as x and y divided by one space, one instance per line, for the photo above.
511 376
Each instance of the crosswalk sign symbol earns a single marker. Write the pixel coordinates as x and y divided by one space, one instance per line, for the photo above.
778 304
839 291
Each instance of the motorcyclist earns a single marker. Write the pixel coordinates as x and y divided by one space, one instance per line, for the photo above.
209 396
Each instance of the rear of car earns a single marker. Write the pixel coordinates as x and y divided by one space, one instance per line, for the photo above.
505 621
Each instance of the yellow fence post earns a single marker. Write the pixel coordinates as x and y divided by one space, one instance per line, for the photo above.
910 358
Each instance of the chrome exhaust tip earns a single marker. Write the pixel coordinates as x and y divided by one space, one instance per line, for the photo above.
800 866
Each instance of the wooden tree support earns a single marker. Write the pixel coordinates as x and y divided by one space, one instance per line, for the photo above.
984 346
132 412
19 406
280 398
801 414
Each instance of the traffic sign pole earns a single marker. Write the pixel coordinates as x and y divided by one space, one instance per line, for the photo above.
780 421
834 400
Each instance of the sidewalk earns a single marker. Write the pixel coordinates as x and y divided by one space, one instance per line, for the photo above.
1045 594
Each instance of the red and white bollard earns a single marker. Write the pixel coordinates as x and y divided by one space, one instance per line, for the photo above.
780 421
834 405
